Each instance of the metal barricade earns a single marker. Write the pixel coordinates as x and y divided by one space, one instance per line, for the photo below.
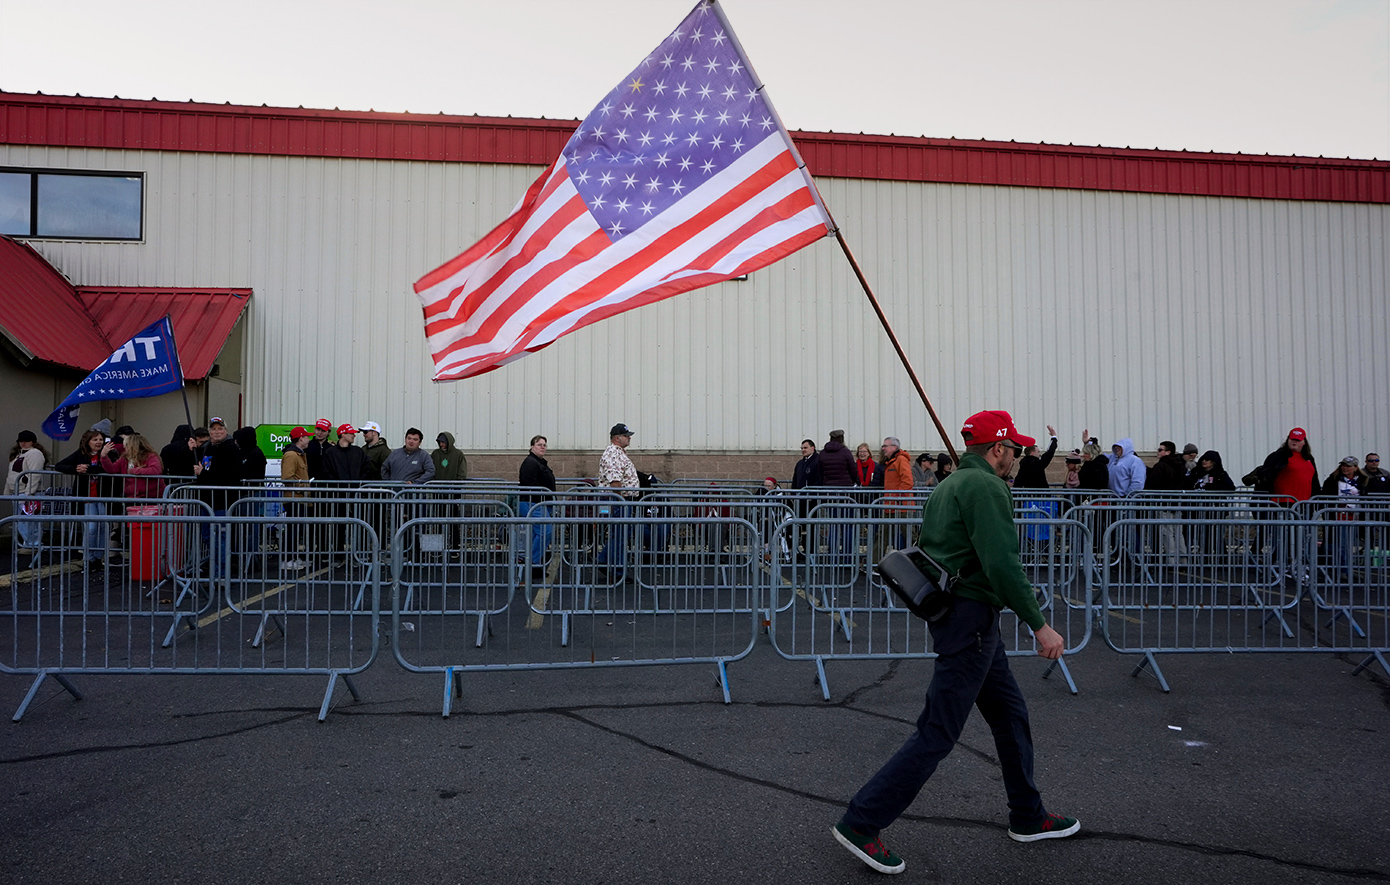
1214 510
175 602
1268 588
611 589
828 604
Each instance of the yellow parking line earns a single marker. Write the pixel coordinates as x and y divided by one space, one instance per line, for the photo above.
260 596
44 572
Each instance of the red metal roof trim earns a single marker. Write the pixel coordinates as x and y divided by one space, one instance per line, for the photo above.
124 124
41 314
202 318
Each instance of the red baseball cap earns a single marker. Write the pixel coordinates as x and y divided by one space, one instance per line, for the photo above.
344 429
1298 433
990 427
323 424
298 433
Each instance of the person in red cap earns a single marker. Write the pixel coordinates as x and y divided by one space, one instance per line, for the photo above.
345 467
317 446
1289 471
968 527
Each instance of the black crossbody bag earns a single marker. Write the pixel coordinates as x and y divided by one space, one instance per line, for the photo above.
921 583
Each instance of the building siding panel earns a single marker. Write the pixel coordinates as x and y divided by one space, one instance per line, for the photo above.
1218 320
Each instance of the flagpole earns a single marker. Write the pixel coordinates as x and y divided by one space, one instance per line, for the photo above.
183 389
902 355
718 11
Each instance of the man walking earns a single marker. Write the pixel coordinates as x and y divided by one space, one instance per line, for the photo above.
967 527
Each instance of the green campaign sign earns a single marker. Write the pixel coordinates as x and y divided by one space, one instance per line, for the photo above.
275 438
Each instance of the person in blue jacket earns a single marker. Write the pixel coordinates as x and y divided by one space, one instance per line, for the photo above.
1127 470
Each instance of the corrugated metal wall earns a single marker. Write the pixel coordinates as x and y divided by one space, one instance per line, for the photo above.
1213 320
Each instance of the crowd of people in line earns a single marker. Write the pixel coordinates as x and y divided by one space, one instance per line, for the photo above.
124 464
1289 471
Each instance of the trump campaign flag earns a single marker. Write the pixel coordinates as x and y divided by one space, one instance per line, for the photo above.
682 176
146 365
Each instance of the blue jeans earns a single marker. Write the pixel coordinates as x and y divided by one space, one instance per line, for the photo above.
971 670
94 533
615 551
540 533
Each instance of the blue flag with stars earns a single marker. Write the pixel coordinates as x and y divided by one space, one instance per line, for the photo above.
146 365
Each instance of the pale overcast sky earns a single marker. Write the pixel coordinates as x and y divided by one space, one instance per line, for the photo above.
1308 77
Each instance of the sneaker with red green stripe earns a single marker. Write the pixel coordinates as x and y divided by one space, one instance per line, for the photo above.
1052 826
869 849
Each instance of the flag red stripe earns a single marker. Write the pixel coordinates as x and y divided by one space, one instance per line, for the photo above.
582 251
650 296
613 278
541 238
771 172
535 244
493 238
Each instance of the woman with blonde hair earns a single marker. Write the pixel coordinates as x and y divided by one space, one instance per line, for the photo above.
139 460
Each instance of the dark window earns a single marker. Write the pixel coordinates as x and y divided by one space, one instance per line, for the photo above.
71 205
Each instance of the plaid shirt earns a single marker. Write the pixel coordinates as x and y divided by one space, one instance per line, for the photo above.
615 466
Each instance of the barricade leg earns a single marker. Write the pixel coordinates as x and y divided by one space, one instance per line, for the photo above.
61 680
328 694
1061 664
820 677
1378 656
1151 663
723 679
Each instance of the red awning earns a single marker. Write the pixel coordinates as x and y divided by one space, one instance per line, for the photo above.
46 319
41 314
202 318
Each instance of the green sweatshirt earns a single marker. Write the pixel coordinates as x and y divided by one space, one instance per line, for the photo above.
968 523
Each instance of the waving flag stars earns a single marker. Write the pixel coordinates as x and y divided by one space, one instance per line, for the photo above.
680 177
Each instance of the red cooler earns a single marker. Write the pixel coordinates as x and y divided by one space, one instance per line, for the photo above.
145 562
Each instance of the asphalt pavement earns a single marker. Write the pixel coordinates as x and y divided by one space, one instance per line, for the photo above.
1255 768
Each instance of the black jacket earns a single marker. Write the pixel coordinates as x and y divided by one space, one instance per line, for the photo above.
105 486
1032 470
1214 480
343 464
535 473
1377 483
177 457
221 467
807 472
313 457
1329 485
836 465
1095 474
1169 474
253 460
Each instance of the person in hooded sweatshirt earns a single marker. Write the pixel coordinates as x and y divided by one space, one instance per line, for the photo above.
449 462
177 457
1210 475
1127 471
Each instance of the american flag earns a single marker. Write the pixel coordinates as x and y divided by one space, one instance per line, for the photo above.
682 176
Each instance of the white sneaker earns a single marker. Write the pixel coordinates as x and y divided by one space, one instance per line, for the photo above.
292 565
